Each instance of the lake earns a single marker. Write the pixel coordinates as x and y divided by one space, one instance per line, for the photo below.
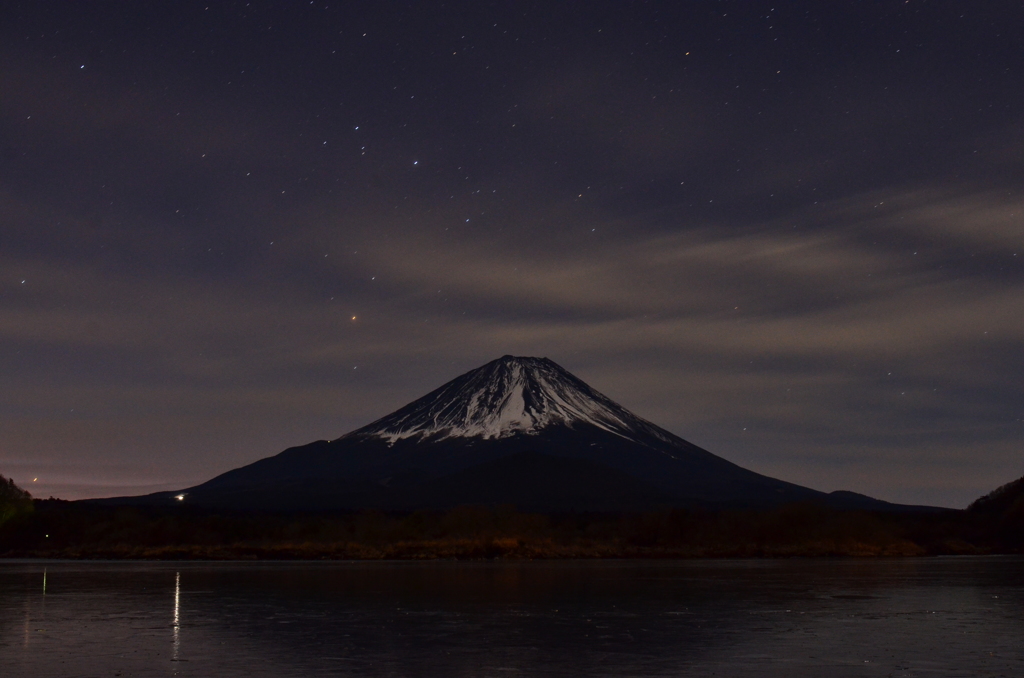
834 618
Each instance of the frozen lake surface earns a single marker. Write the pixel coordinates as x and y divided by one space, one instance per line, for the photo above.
833 618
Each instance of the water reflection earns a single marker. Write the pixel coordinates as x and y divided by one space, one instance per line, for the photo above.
176 643
735 618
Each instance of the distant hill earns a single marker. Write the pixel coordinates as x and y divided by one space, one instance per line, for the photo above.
1004 500
518 430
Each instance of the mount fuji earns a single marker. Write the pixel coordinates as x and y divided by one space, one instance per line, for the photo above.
518 430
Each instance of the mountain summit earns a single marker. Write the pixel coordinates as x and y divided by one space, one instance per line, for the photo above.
518 430
507 397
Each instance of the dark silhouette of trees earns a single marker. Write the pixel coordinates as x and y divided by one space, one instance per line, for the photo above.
13 500
63 529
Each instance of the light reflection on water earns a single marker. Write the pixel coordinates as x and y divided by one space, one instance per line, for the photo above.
177 616
949 616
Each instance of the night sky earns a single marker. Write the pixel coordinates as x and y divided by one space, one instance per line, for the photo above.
791 233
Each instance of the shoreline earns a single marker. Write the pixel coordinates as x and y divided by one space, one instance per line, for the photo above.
68 531
499 549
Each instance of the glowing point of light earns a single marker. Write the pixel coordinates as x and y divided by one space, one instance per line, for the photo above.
179 497
35 479
353 317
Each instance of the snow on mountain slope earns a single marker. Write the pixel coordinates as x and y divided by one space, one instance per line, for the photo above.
509 396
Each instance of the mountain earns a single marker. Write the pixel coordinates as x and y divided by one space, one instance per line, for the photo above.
508 397
518 430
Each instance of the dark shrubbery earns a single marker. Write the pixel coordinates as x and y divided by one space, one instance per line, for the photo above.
77 530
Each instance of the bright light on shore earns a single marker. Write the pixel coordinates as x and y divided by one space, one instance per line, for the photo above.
179 497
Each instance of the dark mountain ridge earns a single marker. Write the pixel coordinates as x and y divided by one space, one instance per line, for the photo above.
518 430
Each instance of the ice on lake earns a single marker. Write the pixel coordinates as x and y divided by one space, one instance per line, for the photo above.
835 618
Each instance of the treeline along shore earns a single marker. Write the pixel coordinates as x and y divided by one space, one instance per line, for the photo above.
53 528
60 529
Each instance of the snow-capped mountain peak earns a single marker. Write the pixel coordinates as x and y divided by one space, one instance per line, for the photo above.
506 397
